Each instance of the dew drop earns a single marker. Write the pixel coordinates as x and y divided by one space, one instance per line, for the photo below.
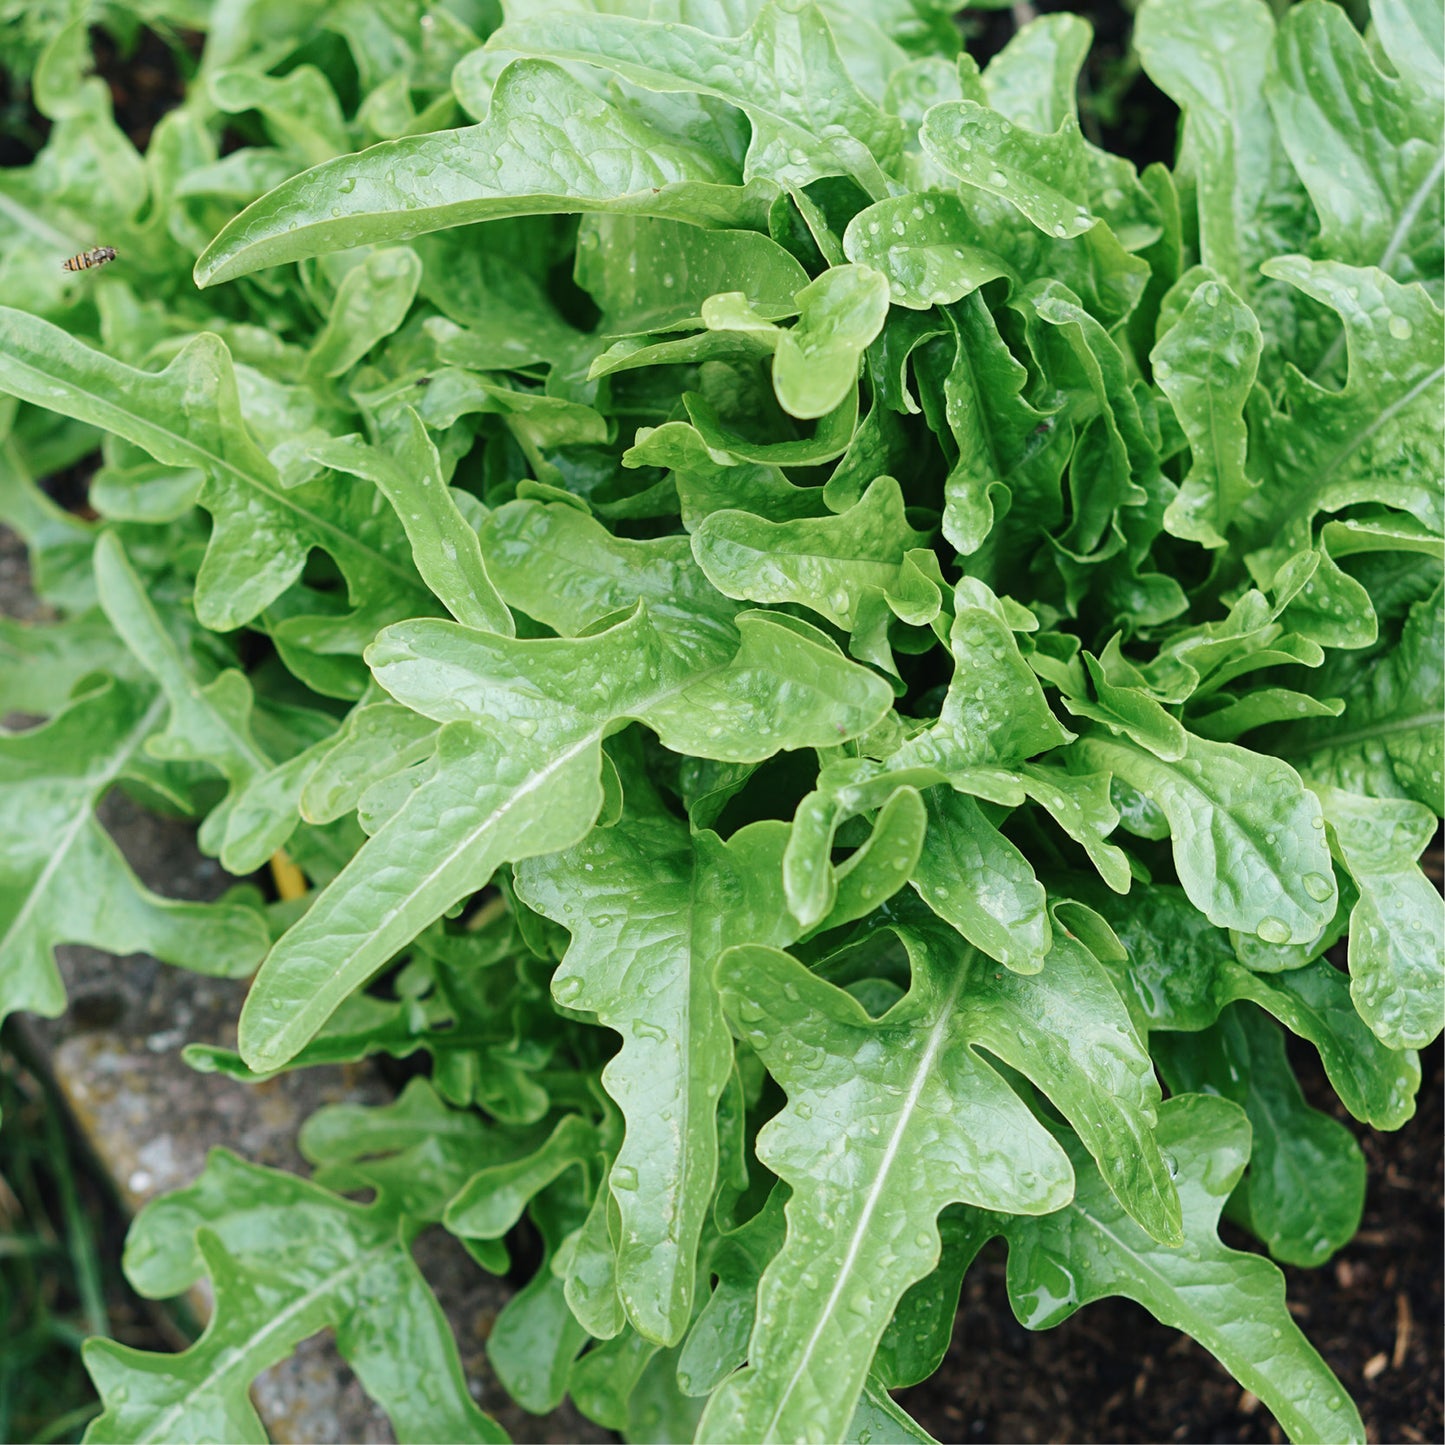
1400 329
1273 930
1317 886
997 178
624 1177
565 990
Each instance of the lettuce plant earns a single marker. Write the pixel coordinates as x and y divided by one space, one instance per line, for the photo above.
819 641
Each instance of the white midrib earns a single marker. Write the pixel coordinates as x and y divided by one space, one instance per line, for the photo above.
301 1021
217 465
236 1356
1360 438
1365 734
1392 249
936 1036
83 815
1412 209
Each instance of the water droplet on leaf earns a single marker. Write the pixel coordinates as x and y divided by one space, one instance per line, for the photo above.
1273 930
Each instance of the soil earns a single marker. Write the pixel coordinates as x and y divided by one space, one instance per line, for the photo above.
1110 1373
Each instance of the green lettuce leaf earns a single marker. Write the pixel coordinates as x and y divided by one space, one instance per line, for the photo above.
650 909
190 415
862 1219
1304 1190
1231 1302
65 880
518 771
407 187
1366 144
338 1258
808 118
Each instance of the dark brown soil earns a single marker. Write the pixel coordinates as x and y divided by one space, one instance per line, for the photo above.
146 75
147 78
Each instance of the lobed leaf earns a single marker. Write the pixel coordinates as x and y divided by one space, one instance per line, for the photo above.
1248 839
444 546
287 1258
1205 363
1038 174
827 564
1397 928
518 768
808 118
607 160
650 910
1231 1302
862 1218
64 879
1304 1191
1366 145
190 415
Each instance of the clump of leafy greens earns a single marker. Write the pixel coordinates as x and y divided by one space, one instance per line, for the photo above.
826 635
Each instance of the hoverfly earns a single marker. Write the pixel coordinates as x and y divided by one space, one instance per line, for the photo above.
96 257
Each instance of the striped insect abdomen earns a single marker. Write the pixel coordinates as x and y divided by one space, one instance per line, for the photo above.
96 257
